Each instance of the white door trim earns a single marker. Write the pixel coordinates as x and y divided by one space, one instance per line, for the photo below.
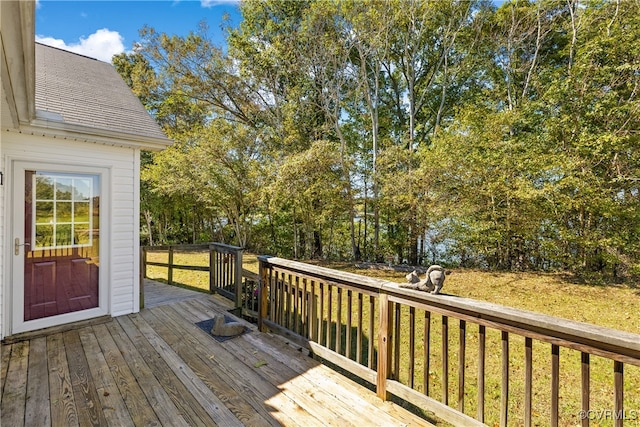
14 299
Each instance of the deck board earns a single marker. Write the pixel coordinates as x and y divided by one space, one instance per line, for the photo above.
12 407
157 294
114 408
133 396
156 395
5 353
177 391
89 414
244 402
158 368
63 406
37 411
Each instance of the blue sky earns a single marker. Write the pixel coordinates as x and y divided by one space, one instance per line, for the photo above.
101 29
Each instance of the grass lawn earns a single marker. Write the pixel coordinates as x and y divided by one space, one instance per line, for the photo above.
611 306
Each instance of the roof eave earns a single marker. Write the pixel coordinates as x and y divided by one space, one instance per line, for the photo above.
18 59
90 134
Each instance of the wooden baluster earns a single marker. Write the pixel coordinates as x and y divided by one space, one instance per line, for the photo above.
216 270
170 271
504 394
461 360
329 314
555 384
281 298
396 342
272 295
412 344
359 335
296 304
585 377
339 323
289 303
306 308
349 315
313 312
445 360
228 263
427 348
372 303
528 379
482 339
618 385
321 314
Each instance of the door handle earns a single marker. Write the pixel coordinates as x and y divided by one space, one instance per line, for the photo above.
16 245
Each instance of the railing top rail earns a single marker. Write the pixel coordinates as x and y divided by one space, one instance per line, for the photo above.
250 274
185 247
592 336
194 246
224 247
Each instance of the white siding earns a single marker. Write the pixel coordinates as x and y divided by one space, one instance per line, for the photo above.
123 238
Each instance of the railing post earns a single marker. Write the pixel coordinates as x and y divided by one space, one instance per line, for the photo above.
237 276
143 273
212 268
170 272
384 346
262 294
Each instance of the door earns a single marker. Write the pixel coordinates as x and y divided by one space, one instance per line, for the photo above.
57 245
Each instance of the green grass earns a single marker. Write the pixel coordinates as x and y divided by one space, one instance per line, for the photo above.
553 294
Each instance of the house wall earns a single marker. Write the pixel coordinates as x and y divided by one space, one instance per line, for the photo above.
123 237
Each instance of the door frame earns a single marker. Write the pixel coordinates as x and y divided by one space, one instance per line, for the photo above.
14 298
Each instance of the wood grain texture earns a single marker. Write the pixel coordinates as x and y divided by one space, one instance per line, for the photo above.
5 355
89 414
63 405
114 408
37 412
12 408
134 398
158 368
211 403
156 395
178 392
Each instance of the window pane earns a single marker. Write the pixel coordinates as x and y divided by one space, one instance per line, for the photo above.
44 188
81 234
64 189
44 212
63 235
81 212
66 209
44 236
63 212
82 189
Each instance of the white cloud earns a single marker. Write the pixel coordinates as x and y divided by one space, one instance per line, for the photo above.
102 44
212 3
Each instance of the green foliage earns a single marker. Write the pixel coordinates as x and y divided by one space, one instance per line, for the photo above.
444 131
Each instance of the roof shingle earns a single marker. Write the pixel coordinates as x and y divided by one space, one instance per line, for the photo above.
91 93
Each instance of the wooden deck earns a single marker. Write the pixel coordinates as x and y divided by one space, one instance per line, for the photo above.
158 368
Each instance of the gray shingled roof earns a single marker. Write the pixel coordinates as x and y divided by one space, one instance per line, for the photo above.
88 92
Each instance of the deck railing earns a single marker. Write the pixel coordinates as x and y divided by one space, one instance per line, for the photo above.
494 364
224 267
